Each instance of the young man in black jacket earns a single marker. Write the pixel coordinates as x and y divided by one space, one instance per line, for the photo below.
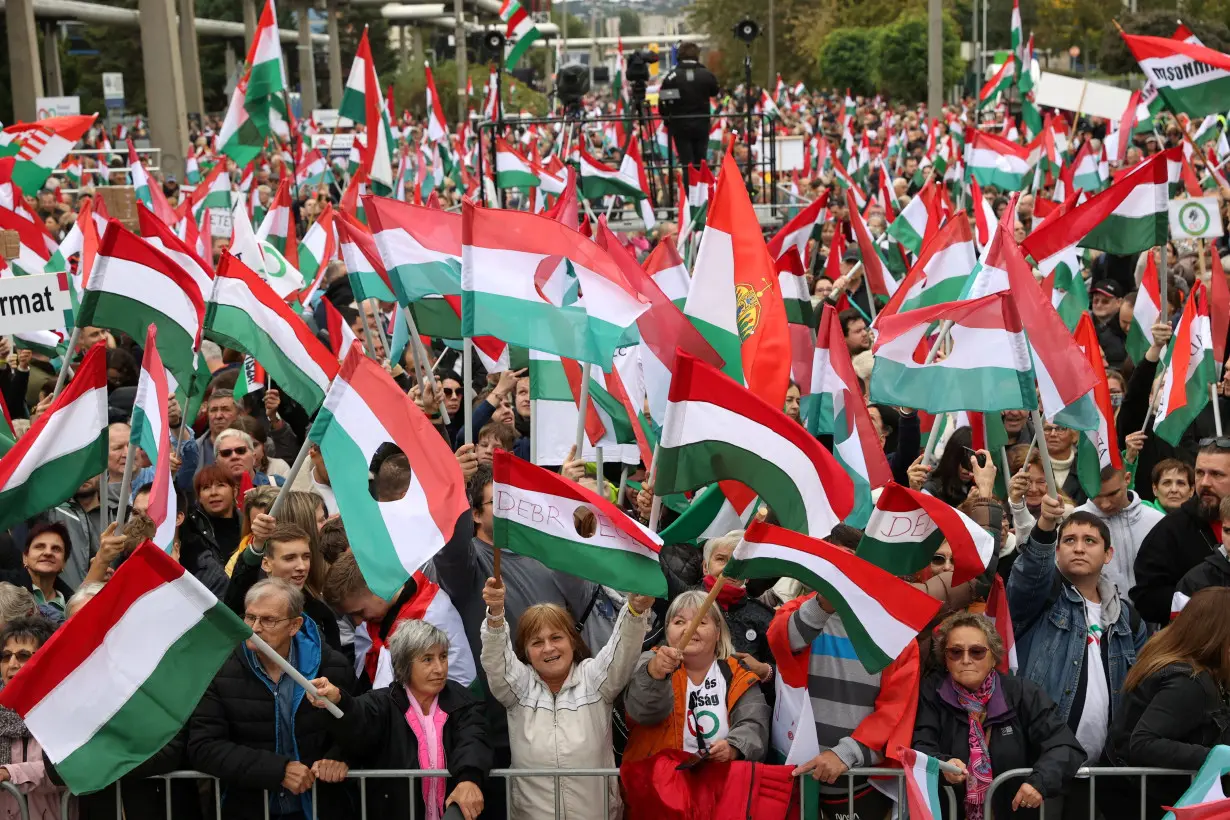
254 727
1185 537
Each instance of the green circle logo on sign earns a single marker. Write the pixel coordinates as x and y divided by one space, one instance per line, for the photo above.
1194 218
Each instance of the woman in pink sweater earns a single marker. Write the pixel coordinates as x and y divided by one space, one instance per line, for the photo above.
21 757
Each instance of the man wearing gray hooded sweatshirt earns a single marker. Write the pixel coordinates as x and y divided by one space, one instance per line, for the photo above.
1129 520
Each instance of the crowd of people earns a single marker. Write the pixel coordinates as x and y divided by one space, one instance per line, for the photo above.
468 668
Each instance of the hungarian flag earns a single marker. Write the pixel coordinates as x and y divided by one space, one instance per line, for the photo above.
158 234
908 526
420 248
341 337
881 613
989 370
1130 216
152 433
1145 311
572 529
213 193
793 284
796 233
365 270
278 226
38 148
1190 369
1099 448
437 127
879 282
553 399
522 279
245 314
922 772
149 195
1061 273
33 256
999 84
252 378
709 515
65 447
918 220
835 407
316 251
363 104
663 328
995 161
512 169
735 301
1190 78
715 429
610 418
364 410
133 285
941 272
665 266
249 117
520 31
599 179
110 689
313 170
1204 799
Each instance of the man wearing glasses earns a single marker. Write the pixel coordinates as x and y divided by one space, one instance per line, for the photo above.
256 730
1076 636
235 452
1185 537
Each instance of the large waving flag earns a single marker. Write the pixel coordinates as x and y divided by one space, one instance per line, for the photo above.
65 447
881 613
1098 448
535 513
363 103
156 233
531 281
1128 217
1000 83
39 147
941 272
717 430
735 301
1190 78
996 161
246 315
520 31
364 410
835 407
907 528
152 433
365 269
1190 370
918 220
134 285
420 248
796 233
113 687
989 368
512 169
249 117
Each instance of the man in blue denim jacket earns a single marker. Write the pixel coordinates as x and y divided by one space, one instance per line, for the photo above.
1076 637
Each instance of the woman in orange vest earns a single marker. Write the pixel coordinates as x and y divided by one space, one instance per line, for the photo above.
698 698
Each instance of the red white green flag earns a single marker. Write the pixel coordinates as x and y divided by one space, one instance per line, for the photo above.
941 272
1190 78
39 147
922 772
535 513
152 433
715 429
420 248
1190 370
278 226
796 233
1205 799
245 314
64 448
665 266
1099 448
999 84
520 32
364 410
881 613
908 526
995 161
1145 312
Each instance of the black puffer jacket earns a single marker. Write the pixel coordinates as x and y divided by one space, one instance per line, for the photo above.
1171 719
200 554
1024 730
232 733
375 735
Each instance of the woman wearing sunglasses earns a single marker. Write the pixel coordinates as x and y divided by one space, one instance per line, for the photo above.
987 723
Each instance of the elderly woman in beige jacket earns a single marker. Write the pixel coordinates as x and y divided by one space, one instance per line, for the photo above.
559 702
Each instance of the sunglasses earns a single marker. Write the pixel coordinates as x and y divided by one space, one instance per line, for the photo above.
1221 442
975 653
451 391
233 451
938 560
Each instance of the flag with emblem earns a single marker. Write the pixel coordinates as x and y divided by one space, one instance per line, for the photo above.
1190 369
1190 78
39 147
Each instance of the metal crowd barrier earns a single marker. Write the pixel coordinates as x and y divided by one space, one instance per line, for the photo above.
22 808
412 776
1092 773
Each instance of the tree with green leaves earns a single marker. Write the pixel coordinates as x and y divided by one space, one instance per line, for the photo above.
902 58
1114 57
848 58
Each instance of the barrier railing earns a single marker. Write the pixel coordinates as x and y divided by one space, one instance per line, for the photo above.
412 776
1092 773
22 808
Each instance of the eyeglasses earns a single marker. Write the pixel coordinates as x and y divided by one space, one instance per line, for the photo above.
1221 442
233 451
265 621
975 653
451 391
22 656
